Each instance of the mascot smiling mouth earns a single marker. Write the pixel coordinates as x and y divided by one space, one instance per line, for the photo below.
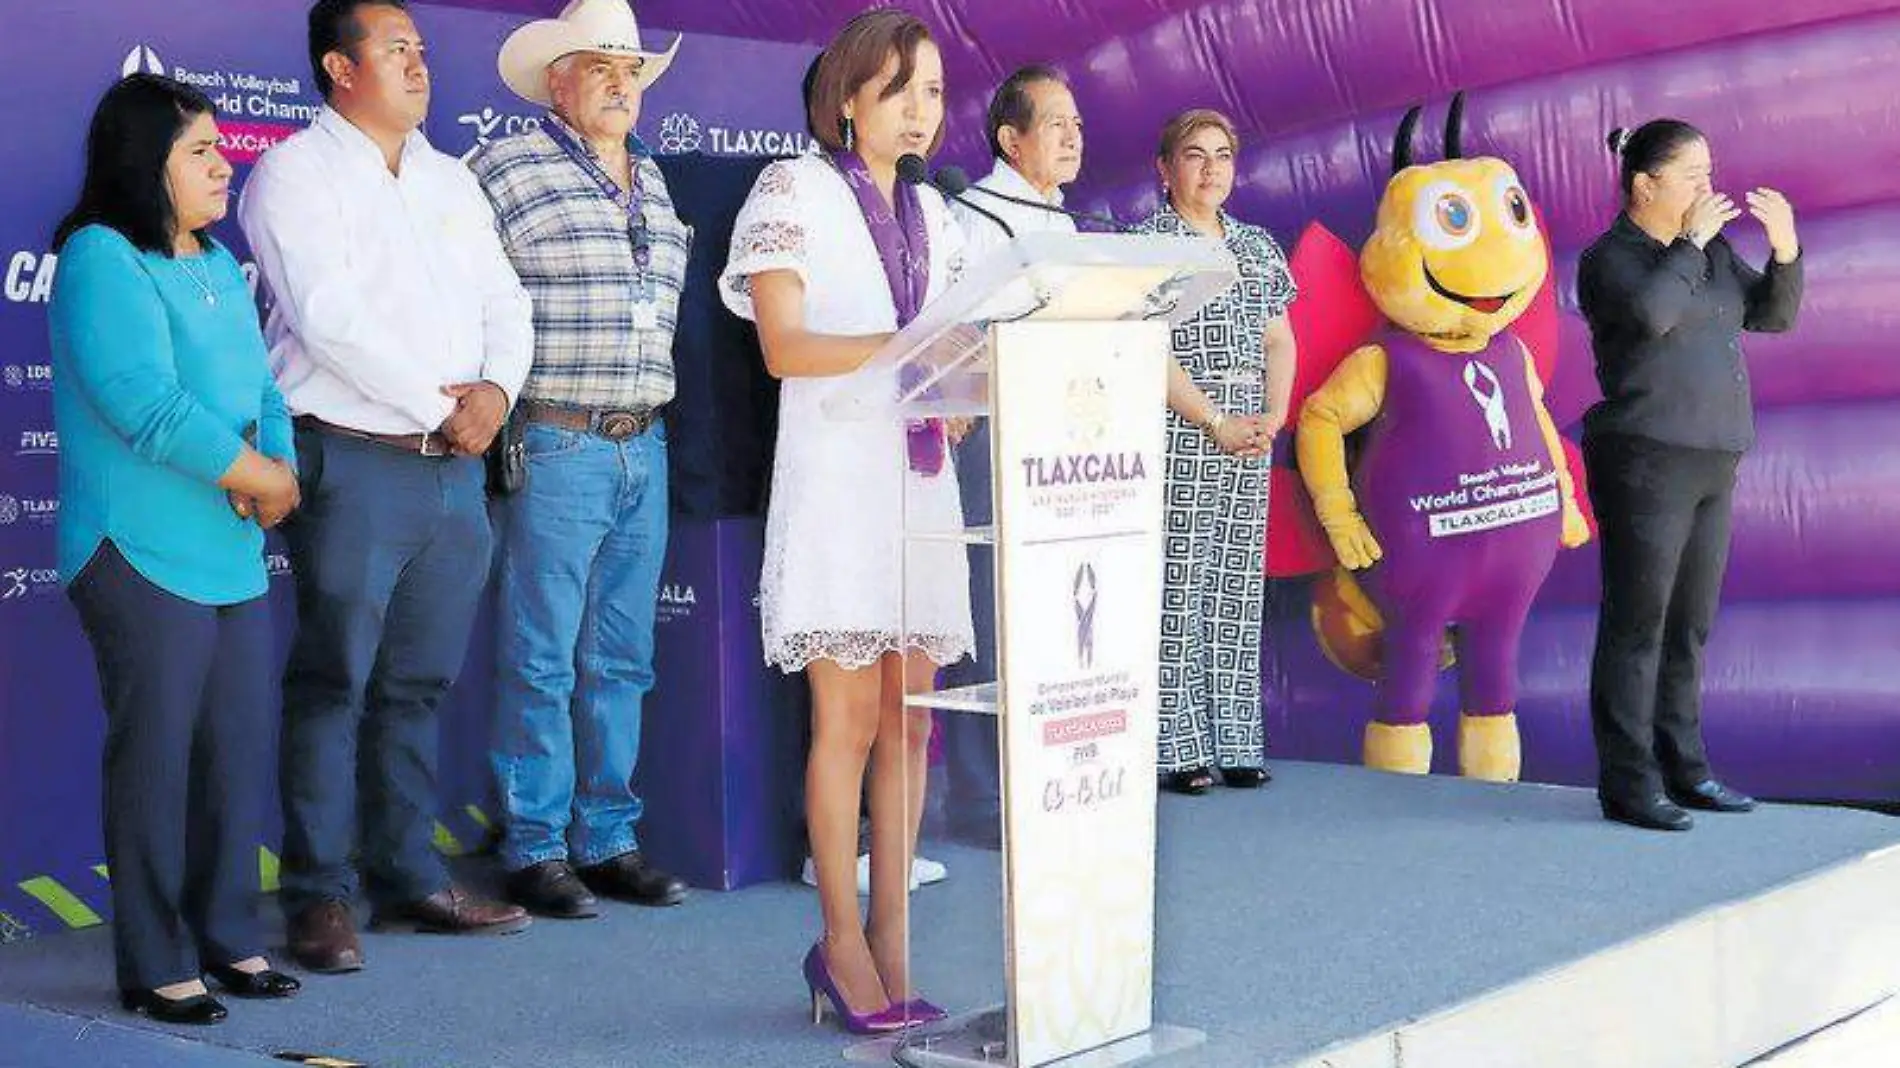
1486 305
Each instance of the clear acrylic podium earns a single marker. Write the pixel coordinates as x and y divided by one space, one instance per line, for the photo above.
1061 342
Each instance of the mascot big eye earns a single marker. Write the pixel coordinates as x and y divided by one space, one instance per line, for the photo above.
1448 521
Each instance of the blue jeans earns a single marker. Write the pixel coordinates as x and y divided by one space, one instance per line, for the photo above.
391 550
582 546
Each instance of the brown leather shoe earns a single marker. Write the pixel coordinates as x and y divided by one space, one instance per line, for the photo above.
453 911
323 938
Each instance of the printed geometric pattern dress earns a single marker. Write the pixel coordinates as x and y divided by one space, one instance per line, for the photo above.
1213 590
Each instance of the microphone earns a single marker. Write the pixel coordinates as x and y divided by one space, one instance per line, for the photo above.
912 170
1042 205
950 181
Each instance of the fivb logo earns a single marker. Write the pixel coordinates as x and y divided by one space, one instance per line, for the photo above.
141 58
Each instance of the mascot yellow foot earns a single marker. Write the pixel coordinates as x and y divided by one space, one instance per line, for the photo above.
1488 748
1403 749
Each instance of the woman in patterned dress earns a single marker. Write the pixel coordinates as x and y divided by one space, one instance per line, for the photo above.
830 256
1227 397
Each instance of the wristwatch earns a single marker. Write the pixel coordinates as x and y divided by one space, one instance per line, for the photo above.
1213 424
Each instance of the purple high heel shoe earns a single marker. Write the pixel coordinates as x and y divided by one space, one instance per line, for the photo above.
823 988
917 1010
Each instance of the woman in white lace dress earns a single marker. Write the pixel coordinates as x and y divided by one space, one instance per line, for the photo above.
830 256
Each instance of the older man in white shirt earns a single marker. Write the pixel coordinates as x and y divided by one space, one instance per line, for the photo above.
1036 138
401 336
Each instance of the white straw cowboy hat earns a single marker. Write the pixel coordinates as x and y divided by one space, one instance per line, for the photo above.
605 26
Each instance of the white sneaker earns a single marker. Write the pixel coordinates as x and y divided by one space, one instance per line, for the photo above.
923 872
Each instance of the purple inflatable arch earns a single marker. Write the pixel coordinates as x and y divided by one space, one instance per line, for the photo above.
1804 669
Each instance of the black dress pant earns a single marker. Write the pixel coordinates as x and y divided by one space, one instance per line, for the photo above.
1663 521
972 768
190 722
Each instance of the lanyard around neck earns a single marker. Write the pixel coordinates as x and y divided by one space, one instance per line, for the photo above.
628 199
589 163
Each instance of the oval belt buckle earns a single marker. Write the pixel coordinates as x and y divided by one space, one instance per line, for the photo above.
618 426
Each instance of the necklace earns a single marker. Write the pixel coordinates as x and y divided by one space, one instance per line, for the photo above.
202 281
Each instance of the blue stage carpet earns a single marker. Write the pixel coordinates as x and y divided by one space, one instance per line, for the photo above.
1331 904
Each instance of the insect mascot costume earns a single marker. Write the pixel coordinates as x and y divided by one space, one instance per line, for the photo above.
1452 512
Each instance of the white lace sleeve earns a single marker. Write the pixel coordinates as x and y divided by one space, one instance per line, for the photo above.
768 235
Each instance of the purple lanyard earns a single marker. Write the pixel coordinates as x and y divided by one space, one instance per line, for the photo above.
902 237
628 200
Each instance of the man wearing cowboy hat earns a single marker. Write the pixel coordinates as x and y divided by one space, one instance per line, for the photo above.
586 218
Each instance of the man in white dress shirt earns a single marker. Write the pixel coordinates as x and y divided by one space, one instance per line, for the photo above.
401 336
1036 138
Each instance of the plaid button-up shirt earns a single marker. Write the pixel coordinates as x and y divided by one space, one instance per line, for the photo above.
574 251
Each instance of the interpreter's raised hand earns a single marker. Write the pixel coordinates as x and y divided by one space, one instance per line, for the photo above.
1706 217
1777 220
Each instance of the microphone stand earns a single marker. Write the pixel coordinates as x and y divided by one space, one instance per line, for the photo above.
953 183
1079 216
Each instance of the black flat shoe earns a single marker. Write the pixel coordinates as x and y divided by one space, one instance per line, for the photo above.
196 1009
1246 778
265 984
1712 796
1652 814
1192 782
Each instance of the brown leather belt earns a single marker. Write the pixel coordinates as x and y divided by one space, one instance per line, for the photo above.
431 444
614 425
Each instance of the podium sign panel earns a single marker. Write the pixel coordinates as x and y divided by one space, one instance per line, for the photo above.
1062 341
1078 436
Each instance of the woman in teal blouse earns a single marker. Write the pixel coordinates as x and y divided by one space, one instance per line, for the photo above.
175 455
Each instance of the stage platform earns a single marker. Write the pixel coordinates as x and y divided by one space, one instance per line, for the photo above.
1338 918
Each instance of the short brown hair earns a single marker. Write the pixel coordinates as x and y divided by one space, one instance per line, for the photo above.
1191 122
853 58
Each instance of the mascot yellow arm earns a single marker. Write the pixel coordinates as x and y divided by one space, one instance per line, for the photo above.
1350 399
1576 531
